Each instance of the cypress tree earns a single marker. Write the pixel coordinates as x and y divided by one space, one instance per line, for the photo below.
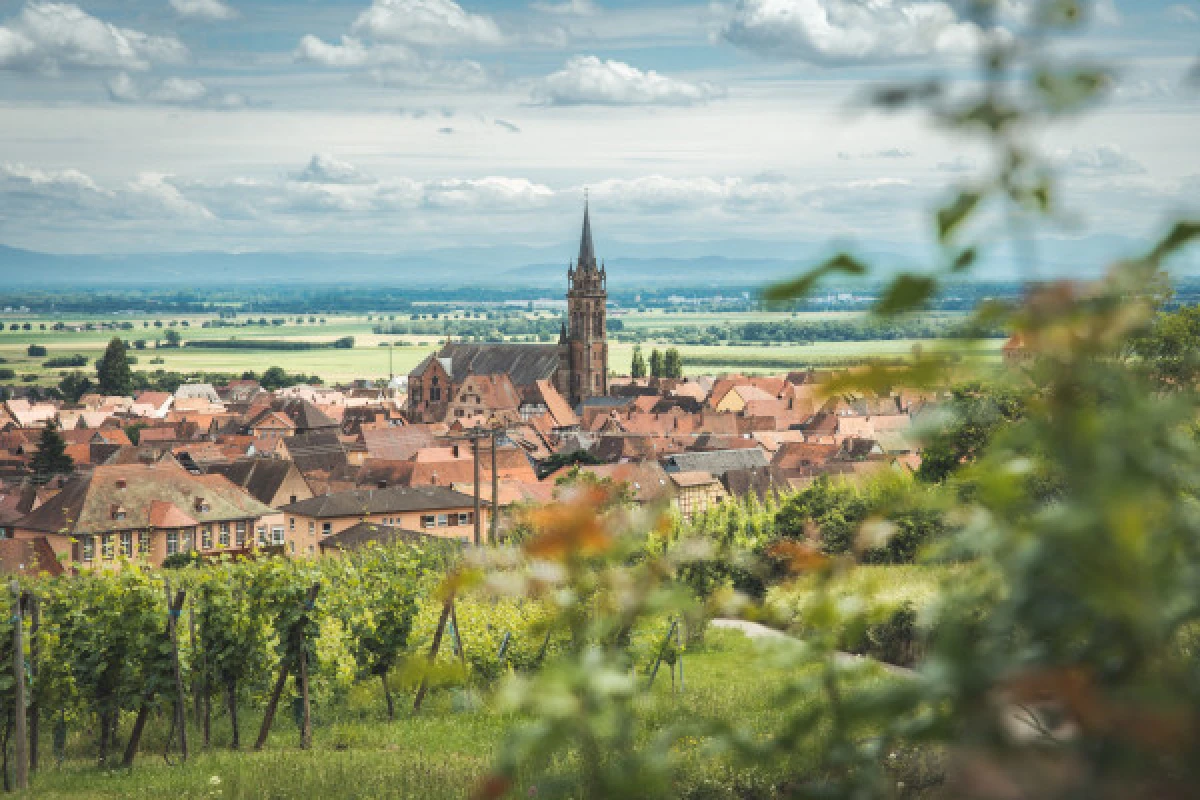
672 364
113 373
51 457
637 369
656 363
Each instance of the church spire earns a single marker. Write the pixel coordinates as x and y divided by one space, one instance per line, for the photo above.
587 253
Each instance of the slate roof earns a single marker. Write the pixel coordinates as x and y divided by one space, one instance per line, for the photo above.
306 416
380 501
760 480
261 477
87 502
716 462
366 533
524 364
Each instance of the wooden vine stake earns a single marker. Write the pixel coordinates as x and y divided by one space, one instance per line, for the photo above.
273 702
180 694
35 711
447 609
22 745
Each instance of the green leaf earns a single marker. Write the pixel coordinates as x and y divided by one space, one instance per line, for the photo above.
964 260
1179 237
799 287
906 293
950 217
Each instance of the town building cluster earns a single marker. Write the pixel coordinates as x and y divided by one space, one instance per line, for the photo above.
481 429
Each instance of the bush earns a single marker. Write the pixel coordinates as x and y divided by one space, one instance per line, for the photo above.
7 374
35 350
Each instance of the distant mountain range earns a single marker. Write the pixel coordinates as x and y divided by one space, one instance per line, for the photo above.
683 265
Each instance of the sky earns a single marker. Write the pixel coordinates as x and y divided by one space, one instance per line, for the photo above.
406 126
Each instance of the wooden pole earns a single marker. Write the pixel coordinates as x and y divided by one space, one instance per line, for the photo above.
662 650
22 745
495 490
35 650
180 697
478 530
433 651
272 704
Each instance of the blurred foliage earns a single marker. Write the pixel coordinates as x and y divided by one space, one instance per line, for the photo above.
1059 658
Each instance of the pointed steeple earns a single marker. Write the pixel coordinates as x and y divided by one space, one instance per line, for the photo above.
587 253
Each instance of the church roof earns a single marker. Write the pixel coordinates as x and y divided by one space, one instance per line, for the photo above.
524 364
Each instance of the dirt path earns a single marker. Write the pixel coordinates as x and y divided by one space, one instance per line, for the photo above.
754 630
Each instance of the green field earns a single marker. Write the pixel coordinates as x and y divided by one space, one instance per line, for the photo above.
440 753
368 359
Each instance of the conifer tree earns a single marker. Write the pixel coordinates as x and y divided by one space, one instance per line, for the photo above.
656 363
51 457
672 364
113 373
637 369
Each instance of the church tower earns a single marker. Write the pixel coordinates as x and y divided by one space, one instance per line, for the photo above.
583 342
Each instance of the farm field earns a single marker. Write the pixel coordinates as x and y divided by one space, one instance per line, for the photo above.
440 753
368 359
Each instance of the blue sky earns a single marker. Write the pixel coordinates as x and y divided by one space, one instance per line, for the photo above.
412 125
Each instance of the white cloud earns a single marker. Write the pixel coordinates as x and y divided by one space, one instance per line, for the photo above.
1104 159
849 31
957 164
203 9
150 196
122 88
586 80
578 8
48 37
1181 13
427 23
325 168
391 64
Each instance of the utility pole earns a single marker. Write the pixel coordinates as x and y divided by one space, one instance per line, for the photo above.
495 486
475 453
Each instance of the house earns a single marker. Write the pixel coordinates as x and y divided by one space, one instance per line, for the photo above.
696 492
198 391
270 481
437 510
484 400
146 512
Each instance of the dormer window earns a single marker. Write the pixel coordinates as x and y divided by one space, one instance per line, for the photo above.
118 512
121 484
202 505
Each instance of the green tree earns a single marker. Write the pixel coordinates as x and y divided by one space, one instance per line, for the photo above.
51 457
637 368
976 412
75 385
1170 349
672 364
173 339
113 374
35 351
656 363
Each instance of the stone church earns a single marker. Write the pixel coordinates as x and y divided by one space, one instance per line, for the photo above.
576 367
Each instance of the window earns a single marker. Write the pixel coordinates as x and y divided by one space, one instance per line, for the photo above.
292 523
442 521
223 537
106 546
240 532
428 520
172 542
206 540
143 543
435 395
464 518
188 540
326 528
127 544
312 527
89 547
277 538
292 499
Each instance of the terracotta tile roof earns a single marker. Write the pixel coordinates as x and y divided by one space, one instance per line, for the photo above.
686 480
557 406
28 556
794 455
86 502
164 514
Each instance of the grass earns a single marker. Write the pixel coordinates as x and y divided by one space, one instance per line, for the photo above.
883 589
369 360
437 754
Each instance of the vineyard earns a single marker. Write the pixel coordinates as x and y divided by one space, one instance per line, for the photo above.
147 662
